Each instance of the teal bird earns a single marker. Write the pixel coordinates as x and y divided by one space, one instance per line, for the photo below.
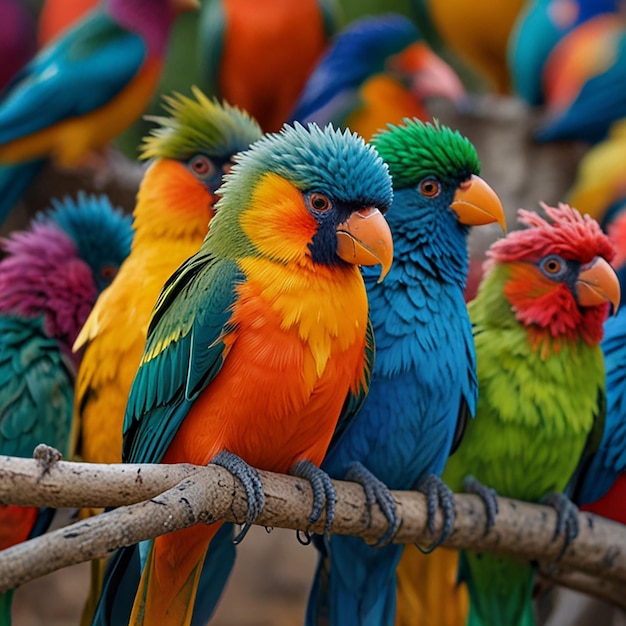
82 90
49 281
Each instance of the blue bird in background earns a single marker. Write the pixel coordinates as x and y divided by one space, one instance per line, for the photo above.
378 70
82 90
539 27
423 384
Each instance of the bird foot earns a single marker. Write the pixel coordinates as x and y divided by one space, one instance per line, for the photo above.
437 494
323 491
488 495
251 482
567 523
376 492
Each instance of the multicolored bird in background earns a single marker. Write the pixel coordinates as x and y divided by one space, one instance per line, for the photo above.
423 387
476 32
378 70
260 342
191 148
57 16
258 54
601 485
583 81
538 29
538 322
18 42
82 90
49 281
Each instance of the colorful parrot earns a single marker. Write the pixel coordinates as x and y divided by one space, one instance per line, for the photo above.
476 32
601 486
284 350
538 29
49 281
258 54
190 150
537 322
18 42
583 81
424 385
377 71
82 90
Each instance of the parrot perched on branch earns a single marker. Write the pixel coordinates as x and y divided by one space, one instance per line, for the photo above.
49 281
378 70
538 322
82 90
191 148
424 385
260 342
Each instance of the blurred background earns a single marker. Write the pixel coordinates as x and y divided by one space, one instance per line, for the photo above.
541 93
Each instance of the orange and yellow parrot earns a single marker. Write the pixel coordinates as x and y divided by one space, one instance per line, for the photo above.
260 342
190 149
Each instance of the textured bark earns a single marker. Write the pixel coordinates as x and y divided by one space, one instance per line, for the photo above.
205 494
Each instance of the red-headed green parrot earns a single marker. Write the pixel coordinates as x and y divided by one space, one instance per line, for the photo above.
260 342
537 322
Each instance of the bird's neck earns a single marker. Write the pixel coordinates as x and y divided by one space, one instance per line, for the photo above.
149 18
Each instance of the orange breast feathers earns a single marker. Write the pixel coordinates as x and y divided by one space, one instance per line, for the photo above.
295 354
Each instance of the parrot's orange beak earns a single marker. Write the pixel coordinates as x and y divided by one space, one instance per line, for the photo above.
365 239
476 204
597 283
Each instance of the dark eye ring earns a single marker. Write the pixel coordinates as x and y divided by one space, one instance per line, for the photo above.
430 188
319 202
201 166
108 272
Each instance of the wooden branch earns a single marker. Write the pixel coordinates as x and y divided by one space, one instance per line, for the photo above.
606 590
206 494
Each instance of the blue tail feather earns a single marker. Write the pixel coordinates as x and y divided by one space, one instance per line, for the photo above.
14 180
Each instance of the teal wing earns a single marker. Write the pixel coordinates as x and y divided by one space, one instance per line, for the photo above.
354 402
184 352
36 389
78 74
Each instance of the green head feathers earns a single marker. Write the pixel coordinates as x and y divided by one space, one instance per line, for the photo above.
416 150
200 125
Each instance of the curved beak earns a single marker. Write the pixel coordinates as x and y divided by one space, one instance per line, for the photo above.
429 74
476 204
365 239
597 283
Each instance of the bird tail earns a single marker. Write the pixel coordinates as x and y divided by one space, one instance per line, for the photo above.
355 586
14 180
169 581
6 599
428 589
500 589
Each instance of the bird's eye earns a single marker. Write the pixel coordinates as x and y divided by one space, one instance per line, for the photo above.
319 202
108 272
202 166
553 266
429 187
